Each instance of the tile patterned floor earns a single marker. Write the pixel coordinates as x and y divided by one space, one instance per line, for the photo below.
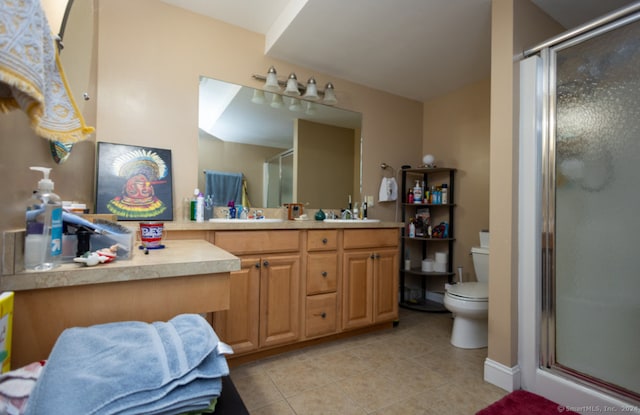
409 370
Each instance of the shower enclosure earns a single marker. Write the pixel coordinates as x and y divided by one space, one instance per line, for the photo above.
579 225
278 176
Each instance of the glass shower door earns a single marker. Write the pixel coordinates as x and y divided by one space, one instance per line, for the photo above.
593 276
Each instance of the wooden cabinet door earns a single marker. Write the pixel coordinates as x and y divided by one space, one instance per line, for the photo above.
357 295
279 300
385 285
238 326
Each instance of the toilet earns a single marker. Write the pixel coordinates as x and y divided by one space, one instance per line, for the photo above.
469 303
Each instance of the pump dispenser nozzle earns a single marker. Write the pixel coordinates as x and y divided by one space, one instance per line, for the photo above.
45 184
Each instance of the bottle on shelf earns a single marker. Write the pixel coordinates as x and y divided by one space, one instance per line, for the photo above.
410 196
200 207
444 198
417 193
412 229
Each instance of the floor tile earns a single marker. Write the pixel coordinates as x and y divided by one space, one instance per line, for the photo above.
411 369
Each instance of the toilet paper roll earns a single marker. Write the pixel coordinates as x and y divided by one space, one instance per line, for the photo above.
440 267
442 257
427 265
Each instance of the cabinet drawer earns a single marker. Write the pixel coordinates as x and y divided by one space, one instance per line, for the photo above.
322 273
322 240
321 313
370 238
256 242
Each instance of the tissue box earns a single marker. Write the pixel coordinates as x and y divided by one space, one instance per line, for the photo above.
484 239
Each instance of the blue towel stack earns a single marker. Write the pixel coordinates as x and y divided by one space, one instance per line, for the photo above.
132 368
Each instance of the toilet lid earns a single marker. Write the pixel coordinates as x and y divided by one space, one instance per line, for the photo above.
478 291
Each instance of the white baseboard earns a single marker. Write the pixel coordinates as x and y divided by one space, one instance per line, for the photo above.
507 378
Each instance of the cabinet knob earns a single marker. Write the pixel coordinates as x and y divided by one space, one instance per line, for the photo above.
257 265
265 263
325 240
373 256
322 315
323 273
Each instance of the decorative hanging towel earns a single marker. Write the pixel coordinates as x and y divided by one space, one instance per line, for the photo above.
388 189
31 76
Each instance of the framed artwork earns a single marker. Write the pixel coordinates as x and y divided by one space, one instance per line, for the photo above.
134 183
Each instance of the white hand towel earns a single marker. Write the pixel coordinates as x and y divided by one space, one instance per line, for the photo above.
388 190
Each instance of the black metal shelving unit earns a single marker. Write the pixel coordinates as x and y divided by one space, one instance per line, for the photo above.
427 245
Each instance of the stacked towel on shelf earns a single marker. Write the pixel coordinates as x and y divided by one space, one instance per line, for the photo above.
133 367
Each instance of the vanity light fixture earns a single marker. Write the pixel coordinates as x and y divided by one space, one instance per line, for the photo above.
271 81
292 87
311 108
295 106
329 95
277 101
258 97
312 90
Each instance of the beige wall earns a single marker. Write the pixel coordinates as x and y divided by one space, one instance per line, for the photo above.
456 132
324 156
516 25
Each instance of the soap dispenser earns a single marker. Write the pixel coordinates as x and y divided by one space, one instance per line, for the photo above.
417 192
43 238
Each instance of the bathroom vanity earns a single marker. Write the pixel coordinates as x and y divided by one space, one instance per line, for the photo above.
303 282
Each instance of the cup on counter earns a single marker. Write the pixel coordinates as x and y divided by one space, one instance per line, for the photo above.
152 234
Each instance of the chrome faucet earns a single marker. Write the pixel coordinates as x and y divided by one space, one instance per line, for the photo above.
346 214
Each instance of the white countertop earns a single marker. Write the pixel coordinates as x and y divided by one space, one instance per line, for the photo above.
178 258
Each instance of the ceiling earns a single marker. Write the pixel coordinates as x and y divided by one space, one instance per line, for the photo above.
418 49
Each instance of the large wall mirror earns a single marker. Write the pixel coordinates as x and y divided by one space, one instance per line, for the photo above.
287 150
78 54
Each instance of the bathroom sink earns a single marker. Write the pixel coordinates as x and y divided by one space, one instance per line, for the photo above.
223 220
352 220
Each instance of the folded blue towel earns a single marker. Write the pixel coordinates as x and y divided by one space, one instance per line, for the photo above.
111 367
202 383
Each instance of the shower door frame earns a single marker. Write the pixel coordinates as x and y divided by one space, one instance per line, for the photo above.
539 371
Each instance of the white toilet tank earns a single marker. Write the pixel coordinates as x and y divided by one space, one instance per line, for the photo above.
481 263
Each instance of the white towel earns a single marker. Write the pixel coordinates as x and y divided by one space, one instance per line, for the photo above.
388 190
31 76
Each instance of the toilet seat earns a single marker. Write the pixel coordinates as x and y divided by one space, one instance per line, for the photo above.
470 291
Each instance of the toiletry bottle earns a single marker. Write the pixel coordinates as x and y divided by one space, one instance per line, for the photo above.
208 207
232 209
410 196
417 193
364 210
412 229
354 212
200 207
43 239
194 201
444 196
